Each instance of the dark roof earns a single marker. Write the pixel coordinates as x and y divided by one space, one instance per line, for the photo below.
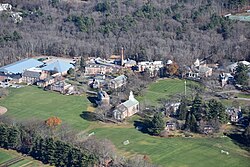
31 74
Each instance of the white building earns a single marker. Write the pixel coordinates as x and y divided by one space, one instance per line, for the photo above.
126 109
233 66
151 66
5 6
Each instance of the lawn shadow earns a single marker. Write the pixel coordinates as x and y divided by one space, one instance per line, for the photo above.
142 125
89 116
240 141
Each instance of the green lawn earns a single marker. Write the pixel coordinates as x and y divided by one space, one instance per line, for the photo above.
6 155
32 102
164 89
175 152
241 95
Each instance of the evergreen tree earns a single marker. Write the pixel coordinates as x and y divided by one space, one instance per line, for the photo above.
36 149
191 122
183 109
157 124
73 157
241 75
43 150
82 64
14 138
216 111
197 107
4 133
50 151
62 153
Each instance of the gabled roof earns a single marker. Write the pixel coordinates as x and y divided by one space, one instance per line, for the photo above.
130 103
58 66
203 69
120 78
20 66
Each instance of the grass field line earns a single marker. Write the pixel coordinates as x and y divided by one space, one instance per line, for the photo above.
26 164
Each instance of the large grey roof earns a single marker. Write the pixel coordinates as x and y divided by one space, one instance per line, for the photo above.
58 66
20 66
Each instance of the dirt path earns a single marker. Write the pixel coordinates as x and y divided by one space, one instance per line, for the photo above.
2 110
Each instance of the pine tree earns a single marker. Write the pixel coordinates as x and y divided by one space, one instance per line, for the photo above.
191 122
196 108
14 139
157 124
4 132
82 64
50 151
62 153
217 111
36 149
183 109
241 75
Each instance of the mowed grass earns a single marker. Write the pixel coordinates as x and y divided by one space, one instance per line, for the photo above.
4 156
7 155
176 152
241 95
32 102
164 89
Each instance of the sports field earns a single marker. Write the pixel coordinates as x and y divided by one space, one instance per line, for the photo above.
164 89
175 152
13 159
32 102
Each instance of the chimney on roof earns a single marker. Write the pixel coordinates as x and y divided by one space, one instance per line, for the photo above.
122 57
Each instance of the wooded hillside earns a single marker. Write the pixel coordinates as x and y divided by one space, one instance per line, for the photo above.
182 30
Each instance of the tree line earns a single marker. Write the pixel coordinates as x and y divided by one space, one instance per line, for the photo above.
48 150
181 30
55 143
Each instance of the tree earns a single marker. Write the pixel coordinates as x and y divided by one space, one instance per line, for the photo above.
183 109
53 122
196 108
172 69
4 135
191 122
3 92
216 111
157 124
82 64
241 75
14 138
70 71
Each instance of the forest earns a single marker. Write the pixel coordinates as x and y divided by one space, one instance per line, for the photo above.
181 30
